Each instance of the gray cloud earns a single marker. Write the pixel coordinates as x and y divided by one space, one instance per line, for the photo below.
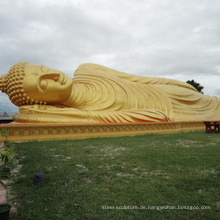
175 39
6 105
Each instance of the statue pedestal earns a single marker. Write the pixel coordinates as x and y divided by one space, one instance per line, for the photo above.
54 131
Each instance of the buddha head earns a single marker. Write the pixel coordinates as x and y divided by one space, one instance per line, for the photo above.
28 84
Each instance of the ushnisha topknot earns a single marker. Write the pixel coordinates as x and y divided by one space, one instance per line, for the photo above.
12 84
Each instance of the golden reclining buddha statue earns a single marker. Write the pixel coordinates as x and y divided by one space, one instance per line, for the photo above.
98 94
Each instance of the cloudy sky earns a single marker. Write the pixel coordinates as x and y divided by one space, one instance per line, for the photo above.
177 39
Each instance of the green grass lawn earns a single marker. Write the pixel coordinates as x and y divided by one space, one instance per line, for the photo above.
155 176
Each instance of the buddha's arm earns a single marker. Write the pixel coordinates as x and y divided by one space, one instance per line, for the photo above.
40 113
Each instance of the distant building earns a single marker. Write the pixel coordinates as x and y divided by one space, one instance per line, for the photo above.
6 117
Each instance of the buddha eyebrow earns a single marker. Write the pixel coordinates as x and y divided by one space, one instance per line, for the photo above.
36 74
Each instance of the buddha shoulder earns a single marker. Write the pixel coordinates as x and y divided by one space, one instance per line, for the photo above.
95 69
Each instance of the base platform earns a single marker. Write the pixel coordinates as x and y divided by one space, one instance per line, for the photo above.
29 132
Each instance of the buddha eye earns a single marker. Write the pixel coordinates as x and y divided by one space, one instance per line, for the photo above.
43 84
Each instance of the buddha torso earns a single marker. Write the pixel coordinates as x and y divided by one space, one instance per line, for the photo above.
97 92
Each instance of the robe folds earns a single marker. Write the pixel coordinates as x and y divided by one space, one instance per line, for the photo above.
104 95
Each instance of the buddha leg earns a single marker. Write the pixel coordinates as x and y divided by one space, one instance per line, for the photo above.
55 114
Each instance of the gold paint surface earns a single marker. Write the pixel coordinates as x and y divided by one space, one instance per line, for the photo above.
46 131
98 94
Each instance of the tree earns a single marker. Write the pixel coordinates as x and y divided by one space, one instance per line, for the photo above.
196 85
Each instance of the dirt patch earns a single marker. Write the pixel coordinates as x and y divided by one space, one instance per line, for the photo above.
208 172
90 147
125 174
62 157
12 197
112 151
188 143
88 181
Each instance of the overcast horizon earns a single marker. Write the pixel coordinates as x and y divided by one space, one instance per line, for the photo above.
170 38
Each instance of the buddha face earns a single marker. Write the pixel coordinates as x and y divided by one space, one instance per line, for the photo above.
48 85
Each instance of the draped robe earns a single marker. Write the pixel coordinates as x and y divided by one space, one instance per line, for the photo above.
103 95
